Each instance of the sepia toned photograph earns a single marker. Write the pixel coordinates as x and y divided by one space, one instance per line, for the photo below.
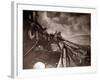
56 39
53 40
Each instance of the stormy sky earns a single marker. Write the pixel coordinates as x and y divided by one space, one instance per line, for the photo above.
74 27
